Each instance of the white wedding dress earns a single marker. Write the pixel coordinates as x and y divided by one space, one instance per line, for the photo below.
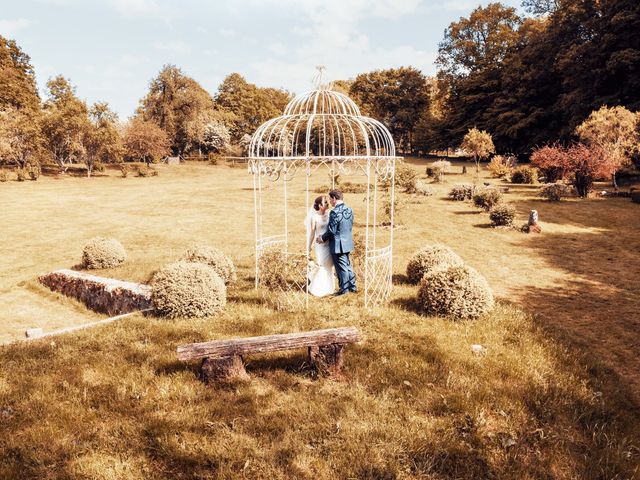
321 276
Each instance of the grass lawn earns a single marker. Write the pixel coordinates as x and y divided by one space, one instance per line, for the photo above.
555 396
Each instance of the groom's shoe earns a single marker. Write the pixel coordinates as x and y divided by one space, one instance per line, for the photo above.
340 293
353 290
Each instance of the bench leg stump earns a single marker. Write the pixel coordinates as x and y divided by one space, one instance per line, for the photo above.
327 357
223 369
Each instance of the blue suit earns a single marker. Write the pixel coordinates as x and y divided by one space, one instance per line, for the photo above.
340 237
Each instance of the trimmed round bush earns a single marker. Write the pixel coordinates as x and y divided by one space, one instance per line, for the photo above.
554 191
103 253
458 292
216 259
524 175
502 215
423 188
430 259
462 191
487 198
185 289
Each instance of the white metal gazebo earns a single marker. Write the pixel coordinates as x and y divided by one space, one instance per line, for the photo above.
324 129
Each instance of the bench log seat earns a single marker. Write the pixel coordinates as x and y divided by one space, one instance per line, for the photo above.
222 359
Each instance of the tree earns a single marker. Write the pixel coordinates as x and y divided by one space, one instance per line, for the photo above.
208 132
587 164
480 41
614 130
479 144
103 142
20 137
65 123
174 100
540 7
18 89
249 105
397 97
552 161
145 141
580 164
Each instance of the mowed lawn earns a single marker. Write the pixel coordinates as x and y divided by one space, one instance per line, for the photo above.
552 398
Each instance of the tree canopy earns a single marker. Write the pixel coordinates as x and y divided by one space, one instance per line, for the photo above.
18 89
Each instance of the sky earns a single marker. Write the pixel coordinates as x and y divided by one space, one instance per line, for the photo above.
111 49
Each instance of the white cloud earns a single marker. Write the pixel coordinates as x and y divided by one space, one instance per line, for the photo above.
173 47
277 48
227 32
9 28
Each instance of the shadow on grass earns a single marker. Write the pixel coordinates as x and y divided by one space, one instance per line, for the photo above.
400 279
410 304
468 212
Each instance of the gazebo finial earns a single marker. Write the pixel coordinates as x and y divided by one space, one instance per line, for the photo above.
317 79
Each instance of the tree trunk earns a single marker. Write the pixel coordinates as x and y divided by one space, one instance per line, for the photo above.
615 184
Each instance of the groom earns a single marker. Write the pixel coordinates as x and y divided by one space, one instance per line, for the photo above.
340 241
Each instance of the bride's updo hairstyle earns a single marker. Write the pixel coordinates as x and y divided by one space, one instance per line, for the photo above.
321 200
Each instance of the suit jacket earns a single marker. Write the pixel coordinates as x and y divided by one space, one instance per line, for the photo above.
339 229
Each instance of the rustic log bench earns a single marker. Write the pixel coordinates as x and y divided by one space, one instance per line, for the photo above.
222 359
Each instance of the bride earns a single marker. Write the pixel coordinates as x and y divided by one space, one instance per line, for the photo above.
320 276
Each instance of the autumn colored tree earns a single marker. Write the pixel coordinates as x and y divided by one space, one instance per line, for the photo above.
103 141
65 123
479 144
588 164
250 105
174 100
615 131
145 141
553 161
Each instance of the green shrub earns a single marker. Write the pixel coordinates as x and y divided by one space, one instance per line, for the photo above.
423 188
405 176
500 166
103 253
124 170
184 289
524 175
463 191
214 158
34 172
349 187
502 215
216 259
145 171
21 174
439 168
487 198
398 207
429 259
279 270
4 176
458 292
555 191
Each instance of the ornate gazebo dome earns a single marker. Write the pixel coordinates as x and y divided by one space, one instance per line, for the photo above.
322 123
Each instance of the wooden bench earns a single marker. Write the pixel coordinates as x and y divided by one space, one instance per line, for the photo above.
223 358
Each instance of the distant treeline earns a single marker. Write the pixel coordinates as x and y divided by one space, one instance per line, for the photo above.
528 81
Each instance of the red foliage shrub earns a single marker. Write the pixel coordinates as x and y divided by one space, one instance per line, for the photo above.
580 163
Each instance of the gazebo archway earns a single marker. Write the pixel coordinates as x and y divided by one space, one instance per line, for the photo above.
322 130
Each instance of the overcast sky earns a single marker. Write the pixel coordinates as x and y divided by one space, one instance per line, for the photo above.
110 49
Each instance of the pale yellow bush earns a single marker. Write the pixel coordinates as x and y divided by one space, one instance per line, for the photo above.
458 292
103 253
184 289
215 258
429 259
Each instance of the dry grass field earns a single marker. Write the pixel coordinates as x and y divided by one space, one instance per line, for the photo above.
555 396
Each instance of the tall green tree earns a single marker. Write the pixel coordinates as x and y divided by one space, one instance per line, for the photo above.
174 100
102 140
397 97
18 89
249 105
65 123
